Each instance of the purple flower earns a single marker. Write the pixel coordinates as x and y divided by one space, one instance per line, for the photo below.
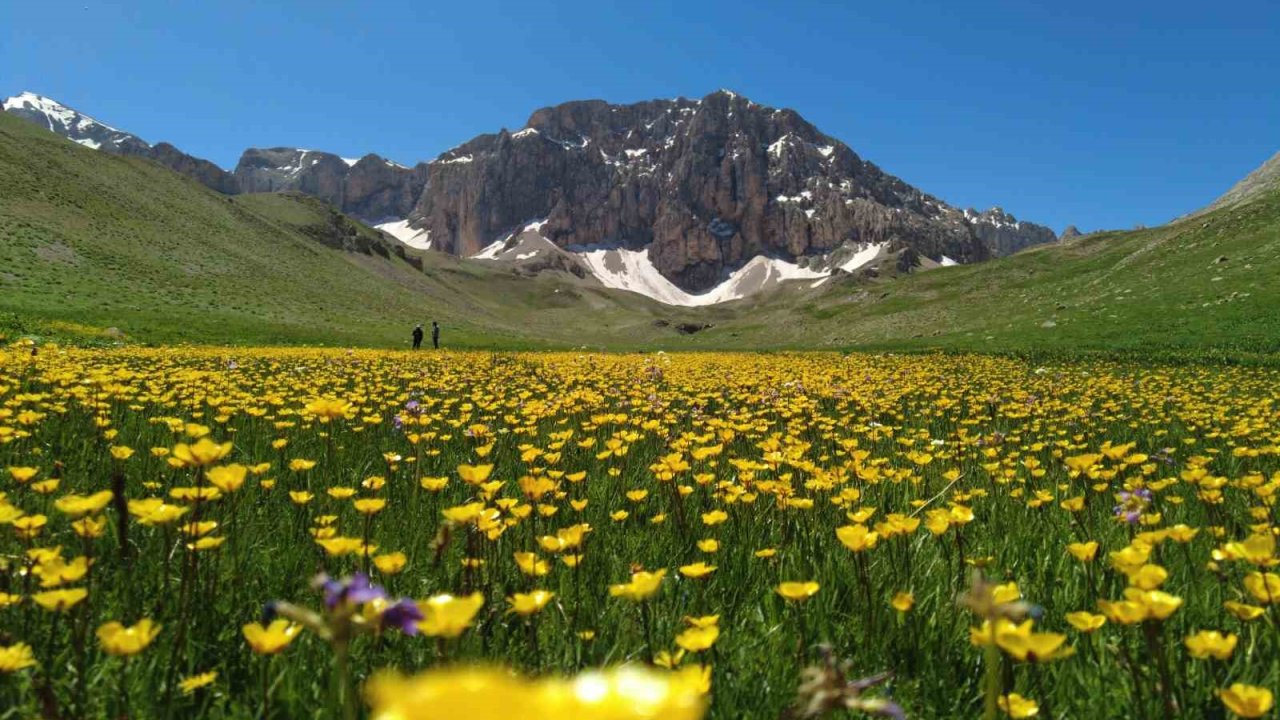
403 616
356 590
1132 504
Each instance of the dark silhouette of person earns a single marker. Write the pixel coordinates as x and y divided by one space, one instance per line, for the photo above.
435 334
417 336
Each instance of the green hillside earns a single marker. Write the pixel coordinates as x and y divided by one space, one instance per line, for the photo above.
1209 281
90 241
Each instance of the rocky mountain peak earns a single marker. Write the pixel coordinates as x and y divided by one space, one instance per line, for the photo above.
72 124
703 186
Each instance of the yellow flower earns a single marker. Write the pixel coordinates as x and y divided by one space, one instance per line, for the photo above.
668 660
1247 701
857 537
1006 593
1026 646
301 464
1158 604
624 693
191 684
326 409
1211 644
1016 706
1264 587
697 570
29 526
390 563
1148 577
227 478
122 641
715 517
203 452
1084 552
1085 621
271 639
60 600
530 603
530 564
22 475
475 474
80 505
766 553
903 602
709 545
370 506
154 511
798 591
643 585
697 639
1243 611
300 497
447 616
16 657
56 571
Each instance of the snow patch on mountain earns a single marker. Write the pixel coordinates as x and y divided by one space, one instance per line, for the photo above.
632 270
402 231
863 256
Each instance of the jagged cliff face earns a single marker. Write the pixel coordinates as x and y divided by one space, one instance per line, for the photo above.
371 188
705 185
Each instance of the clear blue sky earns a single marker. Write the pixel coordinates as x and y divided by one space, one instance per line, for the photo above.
1101 114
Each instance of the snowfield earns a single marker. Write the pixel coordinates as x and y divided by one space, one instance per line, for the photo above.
400 230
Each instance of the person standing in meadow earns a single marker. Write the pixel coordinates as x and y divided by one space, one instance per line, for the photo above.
435 334
417 336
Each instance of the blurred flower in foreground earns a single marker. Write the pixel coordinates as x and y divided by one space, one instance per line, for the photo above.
826 689
622 693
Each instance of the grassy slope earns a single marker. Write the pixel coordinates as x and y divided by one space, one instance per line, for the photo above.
105 241
1163 288
91 238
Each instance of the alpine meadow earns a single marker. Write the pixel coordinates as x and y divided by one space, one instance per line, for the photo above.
639 409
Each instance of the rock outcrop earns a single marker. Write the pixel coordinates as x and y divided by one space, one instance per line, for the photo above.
371 188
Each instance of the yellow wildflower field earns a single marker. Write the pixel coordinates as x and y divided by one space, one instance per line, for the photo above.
238 532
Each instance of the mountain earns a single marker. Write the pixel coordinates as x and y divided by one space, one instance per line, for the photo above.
702 187
1263 179
691 202
371 188
81 128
